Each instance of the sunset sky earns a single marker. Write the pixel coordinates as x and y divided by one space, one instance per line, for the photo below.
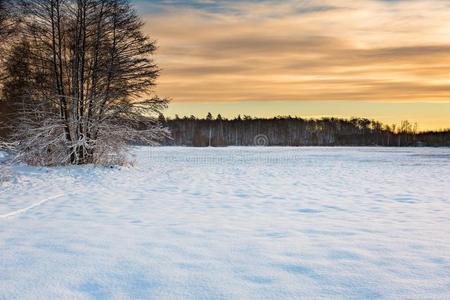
382 59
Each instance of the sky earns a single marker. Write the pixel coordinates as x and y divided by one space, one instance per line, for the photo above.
382 59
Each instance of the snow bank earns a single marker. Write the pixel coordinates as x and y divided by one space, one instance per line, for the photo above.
235 223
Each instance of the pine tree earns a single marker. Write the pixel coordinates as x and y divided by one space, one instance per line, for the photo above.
8 25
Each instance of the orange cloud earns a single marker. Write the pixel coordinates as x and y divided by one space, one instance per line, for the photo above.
311 50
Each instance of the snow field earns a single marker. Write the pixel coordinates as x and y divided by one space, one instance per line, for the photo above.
233 223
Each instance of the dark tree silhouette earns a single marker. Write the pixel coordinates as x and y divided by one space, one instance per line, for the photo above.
291 131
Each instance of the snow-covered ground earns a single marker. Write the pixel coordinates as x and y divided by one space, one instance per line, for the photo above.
234 223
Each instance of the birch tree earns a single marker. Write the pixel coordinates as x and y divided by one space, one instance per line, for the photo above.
90 80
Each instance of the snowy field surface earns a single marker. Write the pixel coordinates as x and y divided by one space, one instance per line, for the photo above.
233 223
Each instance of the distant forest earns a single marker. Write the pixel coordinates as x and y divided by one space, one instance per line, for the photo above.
294 131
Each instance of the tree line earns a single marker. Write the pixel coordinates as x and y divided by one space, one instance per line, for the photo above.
294 131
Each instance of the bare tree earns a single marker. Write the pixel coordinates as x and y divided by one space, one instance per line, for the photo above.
89 82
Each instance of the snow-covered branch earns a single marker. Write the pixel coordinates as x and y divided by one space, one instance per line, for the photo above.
82 92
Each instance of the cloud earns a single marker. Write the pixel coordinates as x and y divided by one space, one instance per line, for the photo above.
306 50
